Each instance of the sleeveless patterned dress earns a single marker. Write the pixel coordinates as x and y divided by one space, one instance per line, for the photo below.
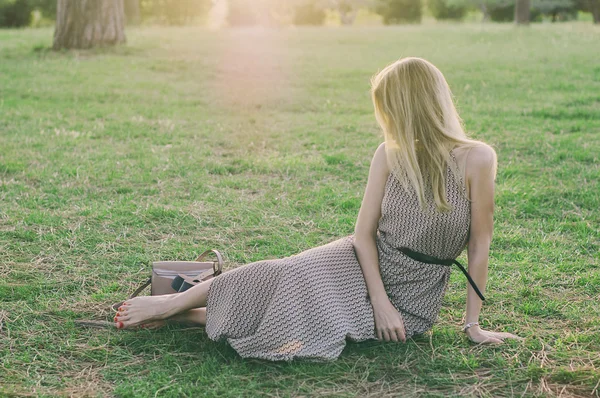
308 304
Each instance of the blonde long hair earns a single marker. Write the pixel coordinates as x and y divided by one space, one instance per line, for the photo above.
414 107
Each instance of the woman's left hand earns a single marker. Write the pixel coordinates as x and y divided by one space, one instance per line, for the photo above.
478 335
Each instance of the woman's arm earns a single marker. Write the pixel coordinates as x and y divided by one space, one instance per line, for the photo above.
480 179
388 321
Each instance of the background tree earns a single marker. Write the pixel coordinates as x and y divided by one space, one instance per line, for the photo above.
173 12
89 23
281 13
347 9
502 10
132 12
592 6
595 10
522 12
276 12
14 13
448 9
243 13
309 13
399 11
46 7
17 13
558 10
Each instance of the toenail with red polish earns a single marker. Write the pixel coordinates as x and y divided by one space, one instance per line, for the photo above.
119 325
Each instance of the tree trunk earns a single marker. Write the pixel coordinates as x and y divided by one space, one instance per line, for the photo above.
595 10
522 8
485 12
132 12
89 23
347 17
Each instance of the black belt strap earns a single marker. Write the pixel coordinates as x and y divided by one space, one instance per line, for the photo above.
424 258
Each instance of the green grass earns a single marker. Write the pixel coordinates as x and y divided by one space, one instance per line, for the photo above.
258 144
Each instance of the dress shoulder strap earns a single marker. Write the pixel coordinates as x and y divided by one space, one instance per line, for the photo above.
460 181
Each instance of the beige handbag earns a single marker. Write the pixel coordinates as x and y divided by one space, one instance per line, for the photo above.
177 276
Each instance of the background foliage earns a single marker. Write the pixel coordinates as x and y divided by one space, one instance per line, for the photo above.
173 12
446 9
16 13
399 11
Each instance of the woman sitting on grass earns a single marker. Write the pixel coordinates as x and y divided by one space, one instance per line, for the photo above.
430 193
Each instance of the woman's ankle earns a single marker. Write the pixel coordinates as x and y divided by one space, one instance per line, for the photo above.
173 307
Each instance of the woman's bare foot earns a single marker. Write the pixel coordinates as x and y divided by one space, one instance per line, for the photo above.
194 317
145 310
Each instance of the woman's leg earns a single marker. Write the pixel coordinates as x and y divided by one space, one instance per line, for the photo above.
142 310
196 316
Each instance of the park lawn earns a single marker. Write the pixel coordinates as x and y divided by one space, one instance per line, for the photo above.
258 143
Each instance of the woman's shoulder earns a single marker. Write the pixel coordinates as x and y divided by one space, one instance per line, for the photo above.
481 156
475 155
380 150
476 162
380 159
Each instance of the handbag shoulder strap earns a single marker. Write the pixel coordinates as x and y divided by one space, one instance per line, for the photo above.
141 288
137 291
218 264
198 278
